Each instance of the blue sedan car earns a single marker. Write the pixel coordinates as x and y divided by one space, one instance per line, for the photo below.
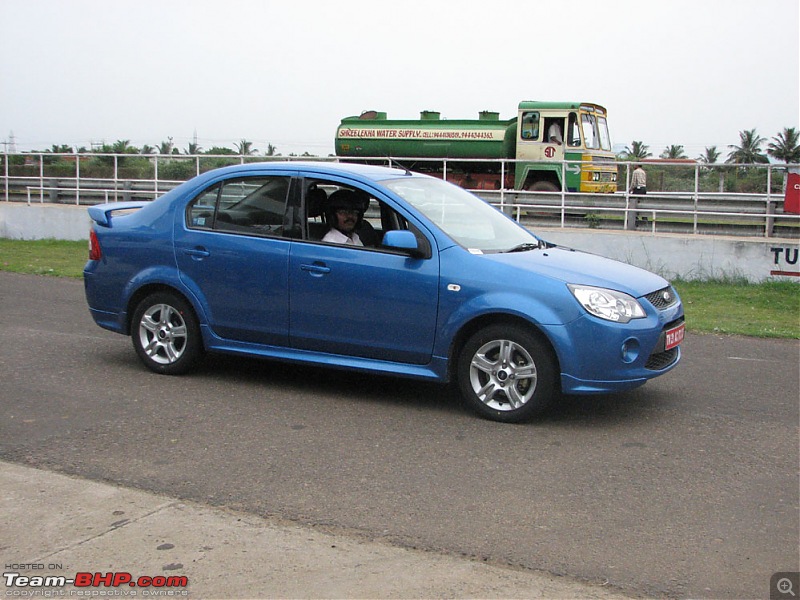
379 270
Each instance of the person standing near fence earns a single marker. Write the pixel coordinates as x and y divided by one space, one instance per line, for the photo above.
639 181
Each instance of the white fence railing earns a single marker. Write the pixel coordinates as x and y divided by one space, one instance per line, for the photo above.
84 179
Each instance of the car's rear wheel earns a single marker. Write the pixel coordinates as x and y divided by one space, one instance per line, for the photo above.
507 374
165 334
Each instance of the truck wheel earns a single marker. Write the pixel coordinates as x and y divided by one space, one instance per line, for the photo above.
165 334
542 186
507 374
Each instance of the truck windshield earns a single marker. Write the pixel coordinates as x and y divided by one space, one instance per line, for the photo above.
464 217
605 138
590 137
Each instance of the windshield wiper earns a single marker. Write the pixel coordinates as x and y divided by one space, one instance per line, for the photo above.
526 246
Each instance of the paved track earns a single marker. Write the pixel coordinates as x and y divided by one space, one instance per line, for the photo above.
685 487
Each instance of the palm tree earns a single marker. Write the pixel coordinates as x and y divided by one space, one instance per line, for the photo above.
217 150
271 150
749 150
61 149
785 146
193 148
673 152
123 147
710 157
637 151
147 149
244 148
166 147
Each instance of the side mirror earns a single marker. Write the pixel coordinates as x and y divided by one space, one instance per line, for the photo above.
404 240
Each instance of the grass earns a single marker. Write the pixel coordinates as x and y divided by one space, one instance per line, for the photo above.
44 257
770 309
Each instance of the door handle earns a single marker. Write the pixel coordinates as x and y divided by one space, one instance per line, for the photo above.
316 269
197 253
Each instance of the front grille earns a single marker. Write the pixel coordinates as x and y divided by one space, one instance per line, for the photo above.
663 298
661 360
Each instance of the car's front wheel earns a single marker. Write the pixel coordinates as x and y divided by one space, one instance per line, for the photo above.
507 374
165 334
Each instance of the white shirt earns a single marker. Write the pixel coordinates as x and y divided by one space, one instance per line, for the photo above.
639 178
337 237
554 134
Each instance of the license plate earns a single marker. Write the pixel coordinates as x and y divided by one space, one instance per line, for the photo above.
674 337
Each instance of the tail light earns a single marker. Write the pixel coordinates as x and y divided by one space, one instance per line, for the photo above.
94 246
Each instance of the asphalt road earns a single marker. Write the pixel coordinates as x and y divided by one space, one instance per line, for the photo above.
687 487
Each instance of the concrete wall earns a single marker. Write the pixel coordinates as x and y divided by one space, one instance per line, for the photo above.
670 255
19 221
689 256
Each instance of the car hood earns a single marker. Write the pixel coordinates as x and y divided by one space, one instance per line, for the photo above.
573 266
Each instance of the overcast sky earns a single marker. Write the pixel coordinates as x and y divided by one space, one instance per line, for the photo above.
688 72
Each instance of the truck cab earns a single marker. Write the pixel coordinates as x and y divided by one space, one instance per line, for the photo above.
550 133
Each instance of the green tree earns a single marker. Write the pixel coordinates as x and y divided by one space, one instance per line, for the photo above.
193 148
62 149
749 149
785 146
710 156
637 151
673 152
167 147
271 150
245 148
219 150
124 147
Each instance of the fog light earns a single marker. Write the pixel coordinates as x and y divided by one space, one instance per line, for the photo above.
630 350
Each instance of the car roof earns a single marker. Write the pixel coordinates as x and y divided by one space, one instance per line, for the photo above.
372 172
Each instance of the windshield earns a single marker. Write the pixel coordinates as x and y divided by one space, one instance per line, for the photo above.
465 218
589 131
605 138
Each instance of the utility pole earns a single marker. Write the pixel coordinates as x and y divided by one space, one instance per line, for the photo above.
11 144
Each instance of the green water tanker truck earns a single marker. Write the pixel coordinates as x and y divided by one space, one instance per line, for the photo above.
546 146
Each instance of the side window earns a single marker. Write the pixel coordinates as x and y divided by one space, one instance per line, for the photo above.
200 214
605 138
573 131
555 130
248 205
340 214
530 126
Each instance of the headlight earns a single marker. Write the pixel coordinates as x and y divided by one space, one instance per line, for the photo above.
607 304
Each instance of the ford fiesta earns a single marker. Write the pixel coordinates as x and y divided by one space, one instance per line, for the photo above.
378 270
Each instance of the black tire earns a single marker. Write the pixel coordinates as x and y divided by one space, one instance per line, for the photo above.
543 186
166 334
507 374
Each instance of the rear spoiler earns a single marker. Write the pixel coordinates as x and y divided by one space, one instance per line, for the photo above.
101 213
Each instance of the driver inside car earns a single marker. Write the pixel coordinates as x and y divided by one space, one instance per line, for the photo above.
344 214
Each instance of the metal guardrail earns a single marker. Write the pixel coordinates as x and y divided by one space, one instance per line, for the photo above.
713 213
691 211
109 195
